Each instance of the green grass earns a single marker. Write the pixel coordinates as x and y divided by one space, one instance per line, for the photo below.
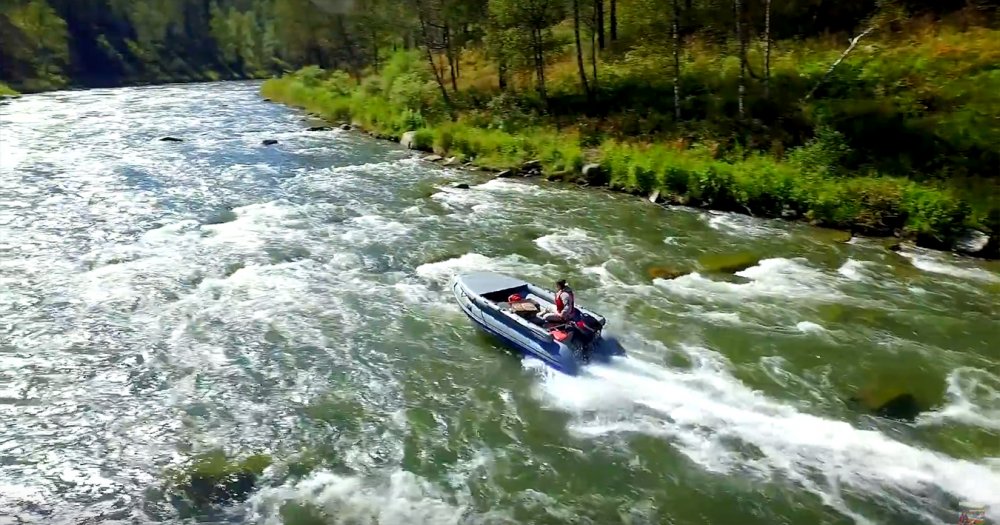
896 144
6 91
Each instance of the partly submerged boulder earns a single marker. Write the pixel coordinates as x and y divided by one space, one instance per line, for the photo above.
972 242
320 128
269 142
408 140
594 175
450 161
665 272
171 139
460 186
345 127
505 173
901 407
727 262
214 478
655 197
433 158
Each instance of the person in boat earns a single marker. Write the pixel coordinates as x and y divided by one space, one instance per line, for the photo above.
566 311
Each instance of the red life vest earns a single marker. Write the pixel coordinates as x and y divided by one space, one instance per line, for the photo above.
559 302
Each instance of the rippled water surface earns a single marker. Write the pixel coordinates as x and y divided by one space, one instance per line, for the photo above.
160 300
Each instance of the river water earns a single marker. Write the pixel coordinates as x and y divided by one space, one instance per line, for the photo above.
159 300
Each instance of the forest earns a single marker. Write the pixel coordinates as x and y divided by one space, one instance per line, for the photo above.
878 116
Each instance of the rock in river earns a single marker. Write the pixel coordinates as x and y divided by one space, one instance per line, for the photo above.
433 158
504 174
667 273
171 139
460 186
320 128
409 140
727 262
594 175
972 242
269 142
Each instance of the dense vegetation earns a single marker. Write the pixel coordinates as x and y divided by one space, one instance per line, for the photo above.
727 104
874 115
50 44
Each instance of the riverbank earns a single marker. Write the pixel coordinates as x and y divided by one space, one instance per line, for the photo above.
7 92
808 182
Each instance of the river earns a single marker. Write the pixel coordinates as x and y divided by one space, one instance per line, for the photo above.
159 300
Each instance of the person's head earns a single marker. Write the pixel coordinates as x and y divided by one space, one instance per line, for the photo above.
560 284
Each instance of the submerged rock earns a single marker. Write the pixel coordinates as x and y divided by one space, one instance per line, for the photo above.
345 127
728 262
460 186
901 407
972 242
320 128
213 478
664 272
171 139
269 142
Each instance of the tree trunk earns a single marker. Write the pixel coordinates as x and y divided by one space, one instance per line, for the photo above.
450 55
738 7
677 60
540 62
579 48
421 16
767 49
502 74
599 9
613 20
854 43
593 55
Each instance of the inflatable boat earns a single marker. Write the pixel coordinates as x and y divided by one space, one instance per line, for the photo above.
513 311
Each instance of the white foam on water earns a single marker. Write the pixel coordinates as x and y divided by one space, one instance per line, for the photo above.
506 186
706 414
808 327
374 228
854 270
934 263
973 399
443 272
401 498
737 224
785 278
573 243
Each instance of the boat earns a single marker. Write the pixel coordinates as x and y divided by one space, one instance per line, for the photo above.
508 308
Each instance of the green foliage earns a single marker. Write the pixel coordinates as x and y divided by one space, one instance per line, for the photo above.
6 91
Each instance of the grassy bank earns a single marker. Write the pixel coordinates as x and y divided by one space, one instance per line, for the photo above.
6 91
855 159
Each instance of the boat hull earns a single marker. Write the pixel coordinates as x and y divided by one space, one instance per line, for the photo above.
520 335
